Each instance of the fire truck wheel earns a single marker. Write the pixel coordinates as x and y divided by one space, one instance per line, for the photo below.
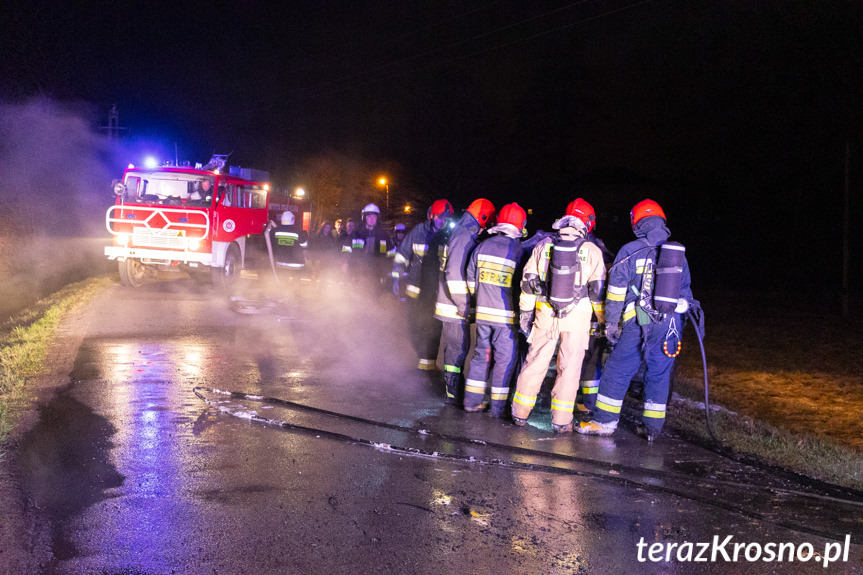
132 272
224 278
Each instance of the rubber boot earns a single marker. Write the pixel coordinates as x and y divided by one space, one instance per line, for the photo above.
452 388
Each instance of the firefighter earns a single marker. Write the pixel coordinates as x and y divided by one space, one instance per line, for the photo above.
416 265
368 248
288 243
398 235
635 327
453 300
561 288
489 279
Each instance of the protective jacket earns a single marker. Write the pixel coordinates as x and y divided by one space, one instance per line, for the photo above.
626 276
452 294
366 242
417 261
289 245
589 281
490 278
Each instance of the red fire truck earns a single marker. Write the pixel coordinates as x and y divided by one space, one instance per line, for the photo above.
199 220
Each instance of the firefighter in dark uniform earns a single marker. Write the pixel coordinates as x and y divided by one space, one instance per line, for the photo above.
490 279
367 250
453 300
636 327
289 242
417 265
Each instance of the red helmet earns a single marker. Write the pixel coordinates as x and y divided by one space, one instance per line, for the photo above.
645 209
483 210
440 209
512 214
583 211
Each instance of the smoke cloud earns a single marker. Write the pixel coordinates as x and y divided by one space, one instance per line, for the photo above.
55 176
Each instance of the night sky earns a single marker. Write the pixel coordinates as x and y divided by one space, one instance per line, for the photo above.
737 116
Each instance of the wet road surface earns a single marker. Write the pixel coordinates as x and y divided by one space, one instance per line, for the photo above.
133 472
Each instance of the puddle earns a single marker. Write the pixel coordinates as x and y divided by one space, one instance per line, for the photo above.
64 464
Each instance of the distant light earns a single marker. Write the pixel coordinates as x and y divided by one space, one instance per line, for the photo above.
301 193
151 162
382 181
131 166
407 209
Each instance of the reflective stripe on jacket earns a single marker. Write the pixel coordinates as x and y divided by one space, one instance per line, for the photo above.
453 298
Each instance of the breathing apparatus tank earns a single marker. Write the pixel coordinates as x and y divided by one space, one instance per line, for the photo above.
669 273
564 266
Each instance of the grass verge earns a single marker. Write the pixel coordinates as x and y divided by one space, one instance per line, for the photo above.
790 382
25 339
811 455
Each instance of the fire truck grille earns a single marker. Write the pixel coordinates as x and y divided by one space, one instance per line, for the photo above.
146 239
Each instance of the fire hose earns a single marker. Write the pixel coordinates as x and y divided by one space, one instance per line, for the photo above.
698 327
645 479
270 252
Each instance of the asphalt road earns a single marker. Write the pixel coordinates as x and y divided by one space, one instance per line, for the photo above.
334 455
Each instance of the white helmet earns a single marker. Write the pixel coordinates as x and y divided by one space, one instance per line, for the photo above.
371 209
288 218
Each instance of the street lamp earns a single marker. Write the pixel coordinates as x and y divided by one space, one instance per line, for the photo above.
383 182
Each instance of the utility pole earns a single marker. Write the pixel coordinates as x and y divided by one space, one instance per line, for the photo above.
113 128
846 233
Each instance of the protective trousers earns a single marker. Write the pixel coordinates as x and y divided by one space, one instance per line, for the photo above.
425 332
543 341
456 342
496 351
637 344
591 369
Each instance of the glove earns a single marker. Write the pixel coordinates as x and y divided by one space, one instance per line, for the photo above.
612 333
536 286
525 322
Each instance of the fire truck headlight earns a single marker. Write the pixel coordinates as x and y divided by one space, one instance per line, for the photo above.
194 244
123 240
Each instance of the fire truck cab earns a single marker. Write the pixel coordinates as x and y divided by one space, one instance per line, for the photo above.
197 220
